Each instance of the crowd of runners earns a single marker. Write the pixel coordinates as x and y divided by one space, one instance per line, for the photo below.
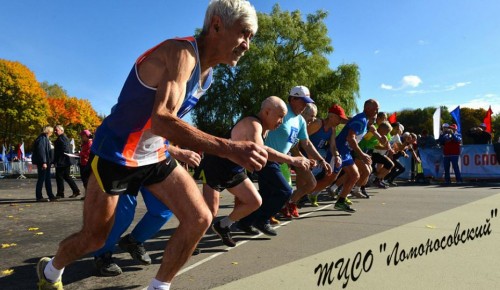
134 153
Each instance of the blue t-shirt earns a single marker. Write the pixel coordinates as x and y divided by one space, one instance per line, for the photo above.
359 124
287 134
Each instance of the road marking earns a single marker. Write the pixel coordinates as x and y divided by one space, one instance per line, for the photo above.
241 243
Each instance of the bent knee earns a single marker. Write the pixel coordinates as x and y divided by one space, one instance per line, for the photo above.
256 202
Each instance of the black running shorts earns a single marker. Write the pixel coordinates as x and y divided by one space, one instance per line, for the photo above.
117 179
220 173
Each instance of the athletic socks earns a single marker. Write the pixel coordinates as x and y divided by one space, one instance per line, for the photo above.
51 273
158 285
226 222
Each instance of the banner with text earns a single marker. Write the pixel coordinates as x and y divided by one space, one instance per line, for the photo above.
476 161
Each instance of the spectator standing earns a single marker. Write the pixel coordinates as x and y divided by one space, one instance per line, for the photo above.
450 140
479 134
84 156
42 158
62 162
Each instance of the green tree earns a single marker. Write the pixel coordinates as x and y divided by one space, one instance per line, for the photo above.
23 105
287 51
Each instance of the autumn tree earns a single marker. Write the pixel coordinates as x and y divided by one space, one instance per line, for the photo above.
72 113
287 51
23 105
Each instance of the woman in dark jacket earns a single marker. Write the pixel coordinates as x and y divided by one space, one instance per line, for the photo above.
42 158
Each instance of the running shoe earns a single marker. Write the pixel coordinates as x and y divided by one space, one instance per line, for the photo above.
43 283
106 266
285 213
313 199
357 193
344 206
224 234
381 184
251 230
293 210
364 193
391 183
266 229
135 249
348 201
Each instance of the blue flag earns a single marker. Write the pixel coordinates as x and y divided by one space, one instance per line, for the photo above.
456 115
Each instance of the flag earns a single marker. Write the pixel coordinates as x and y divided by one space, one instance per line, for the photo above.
72 146
4 154
487 120
21 151
436 121
456 115
392 119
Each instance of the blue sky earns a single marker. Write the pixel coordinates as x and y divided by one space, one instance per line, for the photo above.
412 54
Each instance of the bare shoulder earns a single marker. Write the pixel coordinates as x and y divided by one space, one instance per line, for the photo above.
314 126
246 129
172 59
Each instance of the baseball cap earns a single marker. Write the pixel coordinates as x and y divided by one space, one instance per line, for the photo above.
446 125
482 125
301 92
453 126
85 133
336 109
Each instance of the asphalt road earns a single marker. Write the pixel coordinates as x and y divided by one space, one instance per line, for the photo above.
30 230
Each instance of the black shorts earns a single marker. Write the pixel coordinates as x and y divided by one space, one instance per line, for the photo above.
378 158
220 173
117 179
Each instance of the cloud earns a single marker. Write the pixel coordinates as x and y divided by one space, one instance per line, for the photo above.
411 81
376 51
406 82
386 87
481 102
423 42
456 86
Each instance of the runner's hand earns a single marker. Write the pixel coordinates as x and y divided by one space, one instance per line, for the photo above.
248 154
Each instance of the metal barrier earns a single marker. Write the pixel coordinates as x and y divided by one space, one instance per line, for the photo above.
23 168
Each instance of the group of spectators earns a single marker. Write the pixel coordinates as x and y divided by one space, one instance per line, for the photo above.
47 154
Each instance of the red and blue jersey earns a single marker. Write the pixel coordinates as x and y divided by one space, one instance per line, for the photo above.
125 136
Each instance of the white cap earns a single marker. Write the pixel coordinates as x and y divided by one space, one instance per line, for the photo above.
301 92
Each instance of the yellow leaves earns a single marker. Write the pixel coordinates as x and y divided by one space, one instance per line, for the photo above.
7 272
32 229
4 246
234 263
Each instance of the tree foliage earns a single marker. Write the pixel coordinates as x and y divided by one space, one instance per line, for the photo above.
27 105
417 120
287 51
23 105
72 113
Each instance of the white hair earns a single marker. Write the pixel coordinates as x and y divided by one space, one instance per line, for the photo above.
230 11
